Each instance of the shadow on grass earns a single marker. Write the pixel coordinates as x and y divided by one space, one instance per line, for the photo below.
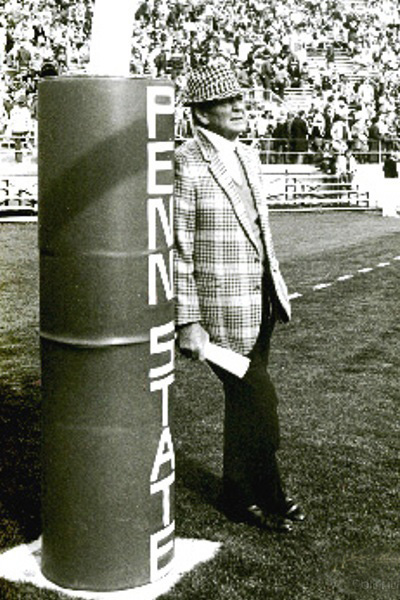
20 463
193 476
20 494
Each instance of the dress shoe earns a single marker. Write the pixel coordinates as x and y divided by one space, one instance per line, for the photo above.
254 515
293 511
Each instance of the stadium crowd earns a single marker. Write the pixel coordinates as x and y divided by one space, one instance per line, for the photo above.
37 38
270 43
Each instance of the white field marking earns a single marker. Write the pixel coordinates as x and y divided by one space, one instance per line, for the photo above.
345 277
321 286
22 564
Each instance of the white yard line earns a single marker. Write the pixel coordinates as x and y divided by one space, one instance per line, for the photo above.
362 270
321 286
345 277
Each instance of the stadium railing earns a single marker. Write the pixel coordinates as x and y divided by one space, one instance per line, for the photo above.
20 145
18 194
292 177
282 150
306 188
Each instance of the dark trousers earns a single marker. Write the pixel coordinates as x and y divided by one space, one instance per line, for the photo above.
251 432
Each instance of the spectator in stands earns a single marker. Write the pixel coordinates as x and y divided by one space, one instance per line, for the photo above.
346 165
266 72
330 55
20 126
317 132
339 133
299 138
351 166
390 166
263 128
294 71
3 118
341 108
374 138
281 139
328 115
359 140
266 41
49 69
325 159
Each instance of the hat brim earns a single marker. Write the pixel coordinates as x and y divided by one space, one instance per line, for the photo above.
232 93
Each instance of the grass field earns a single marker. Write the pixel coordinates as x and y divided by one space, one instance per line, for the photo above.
336 367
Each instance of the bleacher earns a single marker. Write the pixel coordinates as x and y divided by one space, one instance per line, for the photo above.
20 147
18 180
298 183
305 186
358 6
287 186
18 195
18 177
298 98
343 64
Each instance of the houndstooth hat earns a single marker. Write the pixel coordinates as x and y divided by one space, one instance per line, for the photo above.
216 82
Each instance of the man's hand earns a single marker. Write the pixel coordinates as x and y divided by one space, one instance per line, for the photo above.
192 340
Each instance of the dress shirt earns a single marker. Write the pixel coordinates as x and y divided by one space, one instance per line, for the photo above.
227 152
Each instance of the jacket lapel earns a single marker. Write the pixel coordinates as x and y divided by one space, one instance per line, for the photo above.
253 177
224 180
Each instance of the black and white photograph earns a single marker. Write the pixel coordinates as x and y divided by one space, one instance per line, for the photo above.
199 299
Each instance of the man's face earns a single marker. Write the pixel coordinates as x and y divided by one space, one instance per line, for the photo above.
225 117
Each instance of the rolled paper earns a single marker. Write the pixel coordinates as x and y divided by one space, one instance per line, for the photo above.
231 361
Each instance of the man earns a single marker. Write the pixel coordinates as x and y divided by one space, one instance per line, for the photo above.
20 126
281 138
299 137
230 290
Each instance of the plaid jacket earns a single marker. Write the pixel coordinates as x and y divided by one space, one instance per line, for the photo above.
218 271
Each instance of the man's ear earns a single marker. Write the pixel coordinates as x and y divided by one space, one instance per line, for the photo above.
200 116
